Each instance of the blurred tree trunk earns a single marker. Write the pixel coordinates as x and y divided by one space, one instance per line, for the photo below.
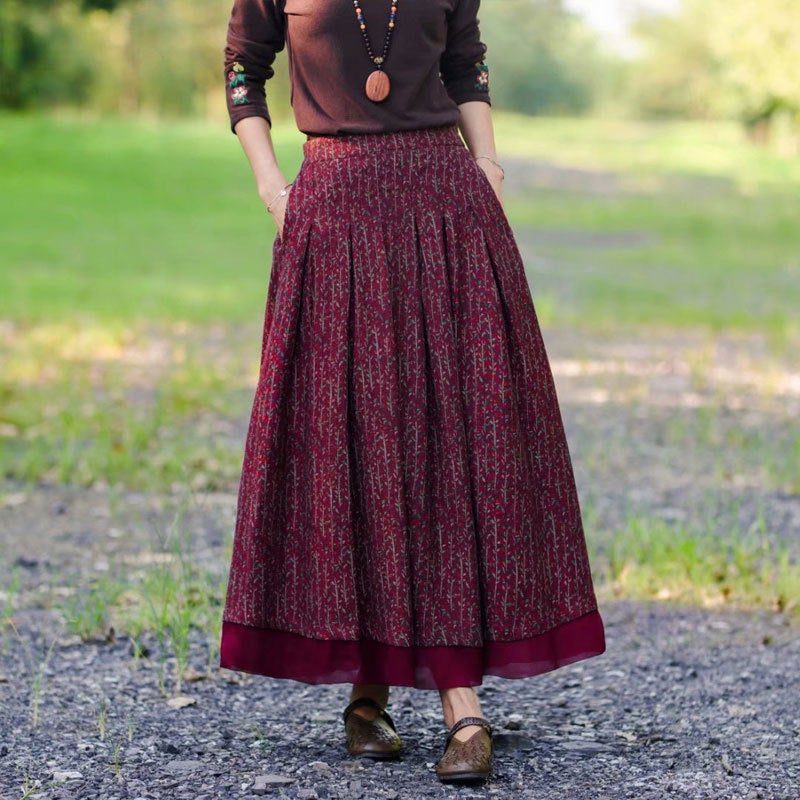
129 95
12 37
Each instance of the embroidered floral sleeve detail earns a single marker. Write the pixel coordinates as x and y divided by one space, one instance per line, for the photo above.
237 80
481 77
256 34
463 66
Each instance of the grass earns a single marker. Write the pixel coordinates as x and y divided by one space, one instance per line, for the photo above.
652 559
647 558
134 260
724 263
165 599
124 237
122 222
87 611
36 667
151 410
728 262
718 216
719 151
119 222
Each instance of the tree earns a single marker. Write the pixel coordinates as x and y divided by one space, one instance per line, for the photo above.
40 56
678 74
545 59
714 58
758 46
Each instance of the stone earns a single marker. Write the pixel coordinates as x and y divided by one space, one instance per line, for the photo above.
265 783
586 748
514 722
181 767
66 775
512 742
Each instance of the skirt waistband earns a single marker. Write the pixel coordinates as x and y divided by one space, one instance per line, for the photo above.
323 146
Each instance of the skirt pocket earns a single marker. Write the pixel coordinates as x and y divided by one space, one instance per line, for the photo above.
289 211
489 193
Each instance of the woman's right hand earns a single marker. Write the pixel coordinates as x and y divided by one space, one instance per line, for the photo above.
268 191
255 137
278 210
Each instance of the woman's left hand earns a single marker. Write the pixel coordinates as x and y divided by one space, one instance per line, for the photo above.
495 176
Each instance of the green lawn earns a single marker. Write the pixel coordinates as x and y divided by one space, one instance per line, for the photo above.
134 261
718 217
711 150
122 222
119 222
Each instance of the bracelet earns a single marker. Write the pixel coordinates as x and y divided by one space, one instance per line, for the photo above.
281 193
496 163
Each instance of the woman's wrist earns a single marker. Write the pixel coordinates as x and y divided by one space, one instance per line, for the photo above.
278 197
269 187
492 159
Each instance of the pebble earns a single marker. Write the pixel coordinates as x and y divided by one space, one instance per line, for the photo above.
514 722
182 767
586 748
513 741
265 783
66 775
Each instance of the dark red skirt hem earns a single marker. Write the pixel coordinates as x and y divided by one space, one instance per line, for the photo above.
281 654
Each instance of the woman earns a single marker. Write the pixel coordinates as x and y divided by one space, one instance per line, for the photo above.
407 512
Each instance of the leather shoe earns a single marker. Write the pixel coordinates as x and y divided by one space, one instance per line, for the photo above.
371 738
468 761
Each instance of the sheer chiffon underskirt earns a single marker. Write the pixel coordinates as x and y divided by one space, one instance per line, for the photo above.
281 654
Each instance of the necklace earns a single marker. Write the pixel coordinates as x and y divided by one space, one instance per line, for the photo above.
378 85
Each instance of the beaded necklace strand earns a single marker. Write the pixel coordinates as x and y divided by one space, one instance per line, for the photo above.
378 84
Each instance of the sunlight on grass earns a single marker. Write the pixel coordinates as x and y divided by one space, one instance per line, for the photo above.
149 221
144 408
653 559
713 149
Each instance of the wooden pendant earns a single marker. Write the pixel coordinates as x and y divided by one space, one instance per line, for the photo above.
377 87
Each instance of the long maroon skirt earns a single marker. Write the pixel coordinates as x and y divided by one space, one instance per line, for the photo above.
407 511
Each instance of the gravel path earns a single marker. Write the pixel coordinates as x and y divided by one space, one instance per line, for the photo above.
684 704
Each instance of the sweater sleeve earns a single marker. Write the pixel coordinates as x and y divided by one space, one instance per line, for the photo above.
463 68
256 34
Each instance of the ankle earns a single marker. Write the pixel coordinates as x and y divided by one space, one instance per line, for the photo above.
376 692
458 703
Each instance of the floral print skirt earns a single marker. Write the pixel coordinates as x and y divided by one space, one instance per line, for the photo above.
407 511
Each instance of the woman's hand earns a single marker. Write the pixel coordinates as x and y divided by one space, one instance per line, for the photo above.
277 207
495 176
255 137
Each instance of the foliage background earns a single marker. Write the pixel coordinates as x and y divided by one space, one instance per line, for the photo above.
710 59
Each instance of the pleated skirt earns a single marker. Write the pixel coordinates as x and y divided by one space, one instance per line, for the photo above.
407 510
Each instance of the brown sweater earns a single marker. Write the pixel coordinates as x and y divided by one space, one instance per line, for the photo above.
435 62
